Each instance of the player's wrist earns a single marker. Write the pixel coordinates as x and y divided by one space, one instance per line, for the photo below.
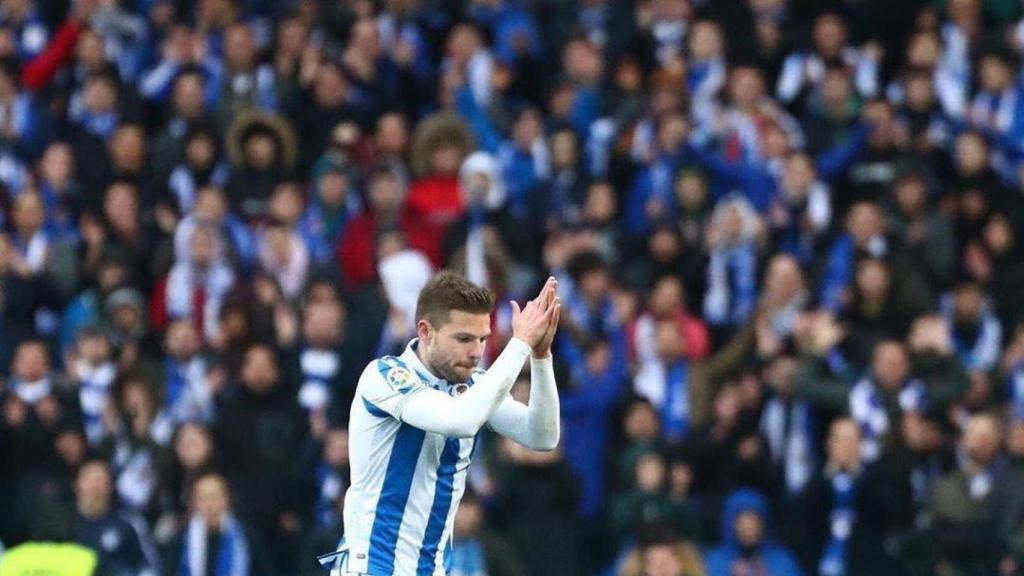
518 344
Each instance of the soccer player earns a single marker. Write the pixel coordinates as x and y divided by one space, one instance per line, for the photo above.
415 419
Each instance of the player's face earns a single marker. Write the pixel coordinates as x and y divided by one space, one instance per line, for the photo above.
454 349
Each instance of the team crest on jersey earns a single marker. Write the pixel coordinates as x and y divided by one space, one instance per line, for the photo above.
400 379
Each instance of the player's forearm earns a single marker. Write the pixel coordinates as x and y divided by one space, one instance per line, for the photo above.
464 415
542 416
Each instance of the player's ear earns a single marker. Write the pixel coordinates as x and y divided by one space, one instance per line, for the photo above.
424 331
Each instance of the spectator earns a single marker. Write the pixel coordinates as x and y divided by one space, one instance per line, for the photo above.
787 425
865 235
200 167
260 470
645 500
663 380
892 387
439 146
328 460
875 312
976 331
321 105
188 387
186 88
662 553
136 431
333 203
193 456
319 359
732 271
875 168
261 147
211 210
284 256
966 503
851 510
199 281
244 83
92 369
214 542
596 382
385 208
997 267
829 39
803 211
924 235
537 490
746 544
123 547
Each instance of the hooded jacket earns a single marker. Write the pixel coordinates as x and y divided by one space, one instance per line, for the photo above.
775 560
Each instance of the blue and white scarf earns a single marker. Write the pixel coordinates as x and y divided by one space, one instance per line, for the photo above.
34 250
789 440
21 113
669 38
996 111
182 284
598 321
93 394
983 352
867 407
332 486
675 412
839 270
732 285
183 184
318 368
232 555
841 521
667 387
705 80
188 398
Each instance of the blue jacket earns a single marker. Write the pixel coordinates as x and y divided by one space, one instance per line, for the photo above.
777 560
585 411
507 22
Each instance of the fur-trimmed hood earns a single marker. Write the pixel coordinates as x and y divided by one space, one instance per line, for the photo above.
432 131
251 122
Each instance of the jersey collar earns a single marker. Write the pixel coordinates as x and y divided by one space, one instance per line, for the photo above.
412 360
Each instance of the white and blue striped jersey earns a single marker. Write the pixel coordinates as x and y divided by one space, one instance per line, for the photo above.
406 483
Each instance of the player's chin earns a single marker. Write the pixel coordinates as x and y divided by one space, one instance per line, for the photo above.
462 373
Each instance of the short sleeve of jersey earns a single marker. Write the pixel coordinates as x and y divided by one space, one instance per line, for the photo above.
385 386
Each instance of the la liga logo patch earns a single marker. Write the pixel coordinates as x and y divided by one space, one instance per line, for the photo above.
400 379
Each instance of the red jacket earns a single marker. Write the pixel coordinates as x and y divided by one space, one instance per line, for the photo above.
437 199
357 250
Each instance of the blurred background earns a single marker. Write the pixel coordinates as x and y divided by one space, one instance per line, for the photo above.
787 233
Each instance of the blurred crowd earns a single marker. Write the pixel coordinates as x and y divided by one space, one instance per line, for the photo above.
788 236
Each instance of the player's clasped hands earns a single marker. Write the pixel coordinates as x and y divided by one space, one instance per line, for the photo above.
536 322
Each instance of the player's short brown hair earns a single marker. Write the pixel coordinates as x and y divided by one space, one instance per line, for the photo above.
449 291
